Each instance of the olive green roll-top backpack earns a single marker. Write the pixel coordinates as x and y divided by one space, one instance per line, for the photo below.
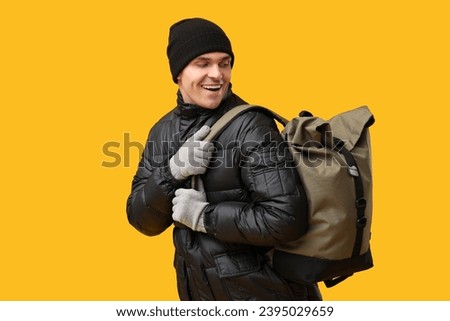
333 160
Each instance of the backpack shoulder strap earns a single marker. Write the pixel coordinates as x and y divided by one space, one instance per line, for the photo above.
225 120
230 115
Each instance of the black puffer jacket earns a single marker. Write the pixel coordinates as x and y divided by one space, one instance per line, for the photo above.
255 202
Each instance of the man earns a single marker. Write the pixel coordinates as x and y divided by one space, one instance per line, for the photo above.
249 198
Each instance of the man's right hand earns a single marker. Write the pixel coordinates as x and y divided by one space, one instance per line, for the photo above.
193 156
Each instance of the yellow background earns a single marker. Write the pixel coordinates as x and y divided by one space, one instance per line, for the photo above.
78 74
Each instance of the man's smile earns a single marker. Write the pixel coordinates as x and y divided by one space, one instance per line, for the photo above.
212 87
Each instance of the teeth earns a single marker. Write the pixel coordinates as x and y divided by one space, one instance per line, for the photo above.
212 87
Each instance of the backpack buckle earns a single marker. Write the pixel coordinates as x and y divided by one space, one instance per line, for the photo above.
353 171
361 202
361 222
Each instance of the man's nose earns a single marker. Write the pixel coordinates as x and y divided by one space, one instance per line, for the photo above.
215 72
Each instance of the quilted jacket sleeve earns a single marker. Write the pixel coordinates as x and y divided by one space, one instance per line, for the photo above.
278 210
149 206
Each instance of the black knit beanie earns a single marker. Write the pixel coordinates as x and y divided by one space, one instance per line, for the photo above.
190 38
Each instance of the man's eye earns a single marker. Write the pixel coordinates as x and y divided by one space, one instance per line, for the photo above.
224 64
202 64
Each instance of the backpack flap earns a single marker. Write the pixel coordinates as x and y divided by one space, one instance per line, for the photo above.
349 126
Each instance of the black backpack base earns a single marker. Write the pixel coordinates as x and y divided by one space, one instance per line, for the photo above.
300 269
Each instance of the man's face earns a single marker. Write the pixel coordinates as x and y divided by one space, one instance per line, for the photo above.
205 80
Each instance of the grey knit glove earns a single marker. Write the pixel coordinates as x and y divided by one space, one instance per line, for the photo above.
188 206
193 156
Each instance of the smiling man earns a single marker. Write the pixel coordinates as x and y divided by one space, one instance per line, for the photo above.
249 196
